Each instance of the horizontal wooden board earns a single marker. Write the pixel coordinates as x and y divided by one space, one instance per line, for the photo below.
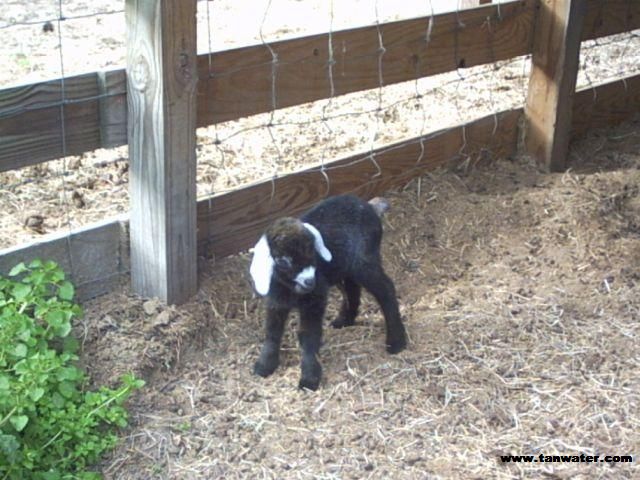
37 124
233 221
95 257
609 17
606 105
236 83
240 82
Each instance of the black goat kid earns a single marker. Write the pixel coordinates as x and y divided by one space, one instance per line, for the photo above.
295 263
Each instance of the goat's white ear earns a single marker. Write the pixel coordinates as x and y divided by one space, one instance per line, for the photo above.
319 243
262 266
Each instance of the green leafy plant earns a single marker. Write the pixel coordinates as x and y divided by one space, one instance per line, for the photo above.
51 427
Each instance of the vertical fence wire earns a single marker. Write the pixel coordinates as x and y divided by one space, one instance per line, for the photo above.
62 199
274 100
332 91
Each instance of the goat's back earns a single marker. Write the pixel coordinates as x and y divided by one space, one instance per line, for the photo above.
351 230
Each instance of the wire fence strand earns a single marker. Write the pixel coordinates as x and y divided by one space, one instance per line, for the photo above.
361 125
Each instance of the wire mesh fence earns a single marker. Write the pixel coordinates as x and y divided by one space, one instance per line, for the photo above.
56 39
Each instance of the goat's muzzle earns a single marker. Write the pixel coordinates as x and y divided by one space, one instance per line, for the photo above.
305 281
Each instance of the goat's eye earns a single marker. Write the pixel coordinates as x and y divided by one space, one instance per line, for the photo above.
284 263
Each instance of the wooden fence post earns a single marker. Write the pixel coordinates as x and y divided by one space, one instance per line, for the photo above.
554 68
161 80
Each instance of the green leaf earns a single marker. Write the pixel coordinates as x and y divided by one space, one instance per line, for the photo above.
20 350
24 335
138 383
36 278
71 345
53 475
37 263
55 318
50 266
121 422
21 291
4 384
36 393
69 373
90 476
66 291
57 276
131 381
9 446
67 389
57 400
18 269
19 422
63 330
21 367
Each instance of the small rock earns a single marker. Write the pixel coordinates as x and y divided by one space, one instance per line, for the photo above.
176 440
163 319
107 323
77 199
74 163
35 223
47 27
106 178
412 460
150 307
251 397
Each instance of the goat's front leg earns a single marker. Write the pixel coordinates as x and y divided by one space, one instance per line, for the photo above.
310 337
270 355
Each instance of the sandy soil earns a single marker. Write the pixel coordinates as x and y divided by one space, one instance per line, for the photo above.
519 291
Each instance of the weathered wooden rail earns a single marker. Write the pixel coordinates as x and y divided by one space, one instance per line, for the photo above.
240 79
240 82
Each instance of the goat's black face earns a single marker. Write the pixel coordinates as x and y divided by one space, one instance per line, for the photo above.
293 252
287 254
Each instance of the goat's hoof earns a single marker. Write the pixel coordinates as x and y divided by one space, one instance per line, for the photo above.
309 383
342 322
264 369
310 377
397 346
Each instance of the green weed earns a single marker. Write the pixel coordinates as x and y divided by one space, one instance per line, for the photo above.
51 427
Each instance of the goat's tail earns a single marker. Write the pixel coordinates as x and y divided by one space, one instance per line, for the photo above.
380 205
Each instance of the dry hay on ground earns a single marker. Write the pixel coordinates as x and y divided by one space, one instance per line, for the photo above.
520 294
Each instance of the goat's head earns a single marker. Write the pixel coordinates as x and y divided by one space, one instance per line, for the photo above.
286 253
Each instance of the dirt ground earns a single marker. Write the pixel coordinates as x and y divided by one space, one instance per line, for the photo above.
520 294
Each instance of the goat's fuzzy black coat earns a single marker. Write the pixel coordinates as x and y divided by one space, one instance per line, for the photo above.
352 231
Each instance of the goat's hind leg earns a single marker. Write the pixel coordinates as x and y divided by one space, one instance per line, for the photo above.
350 303
270 355
381 287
